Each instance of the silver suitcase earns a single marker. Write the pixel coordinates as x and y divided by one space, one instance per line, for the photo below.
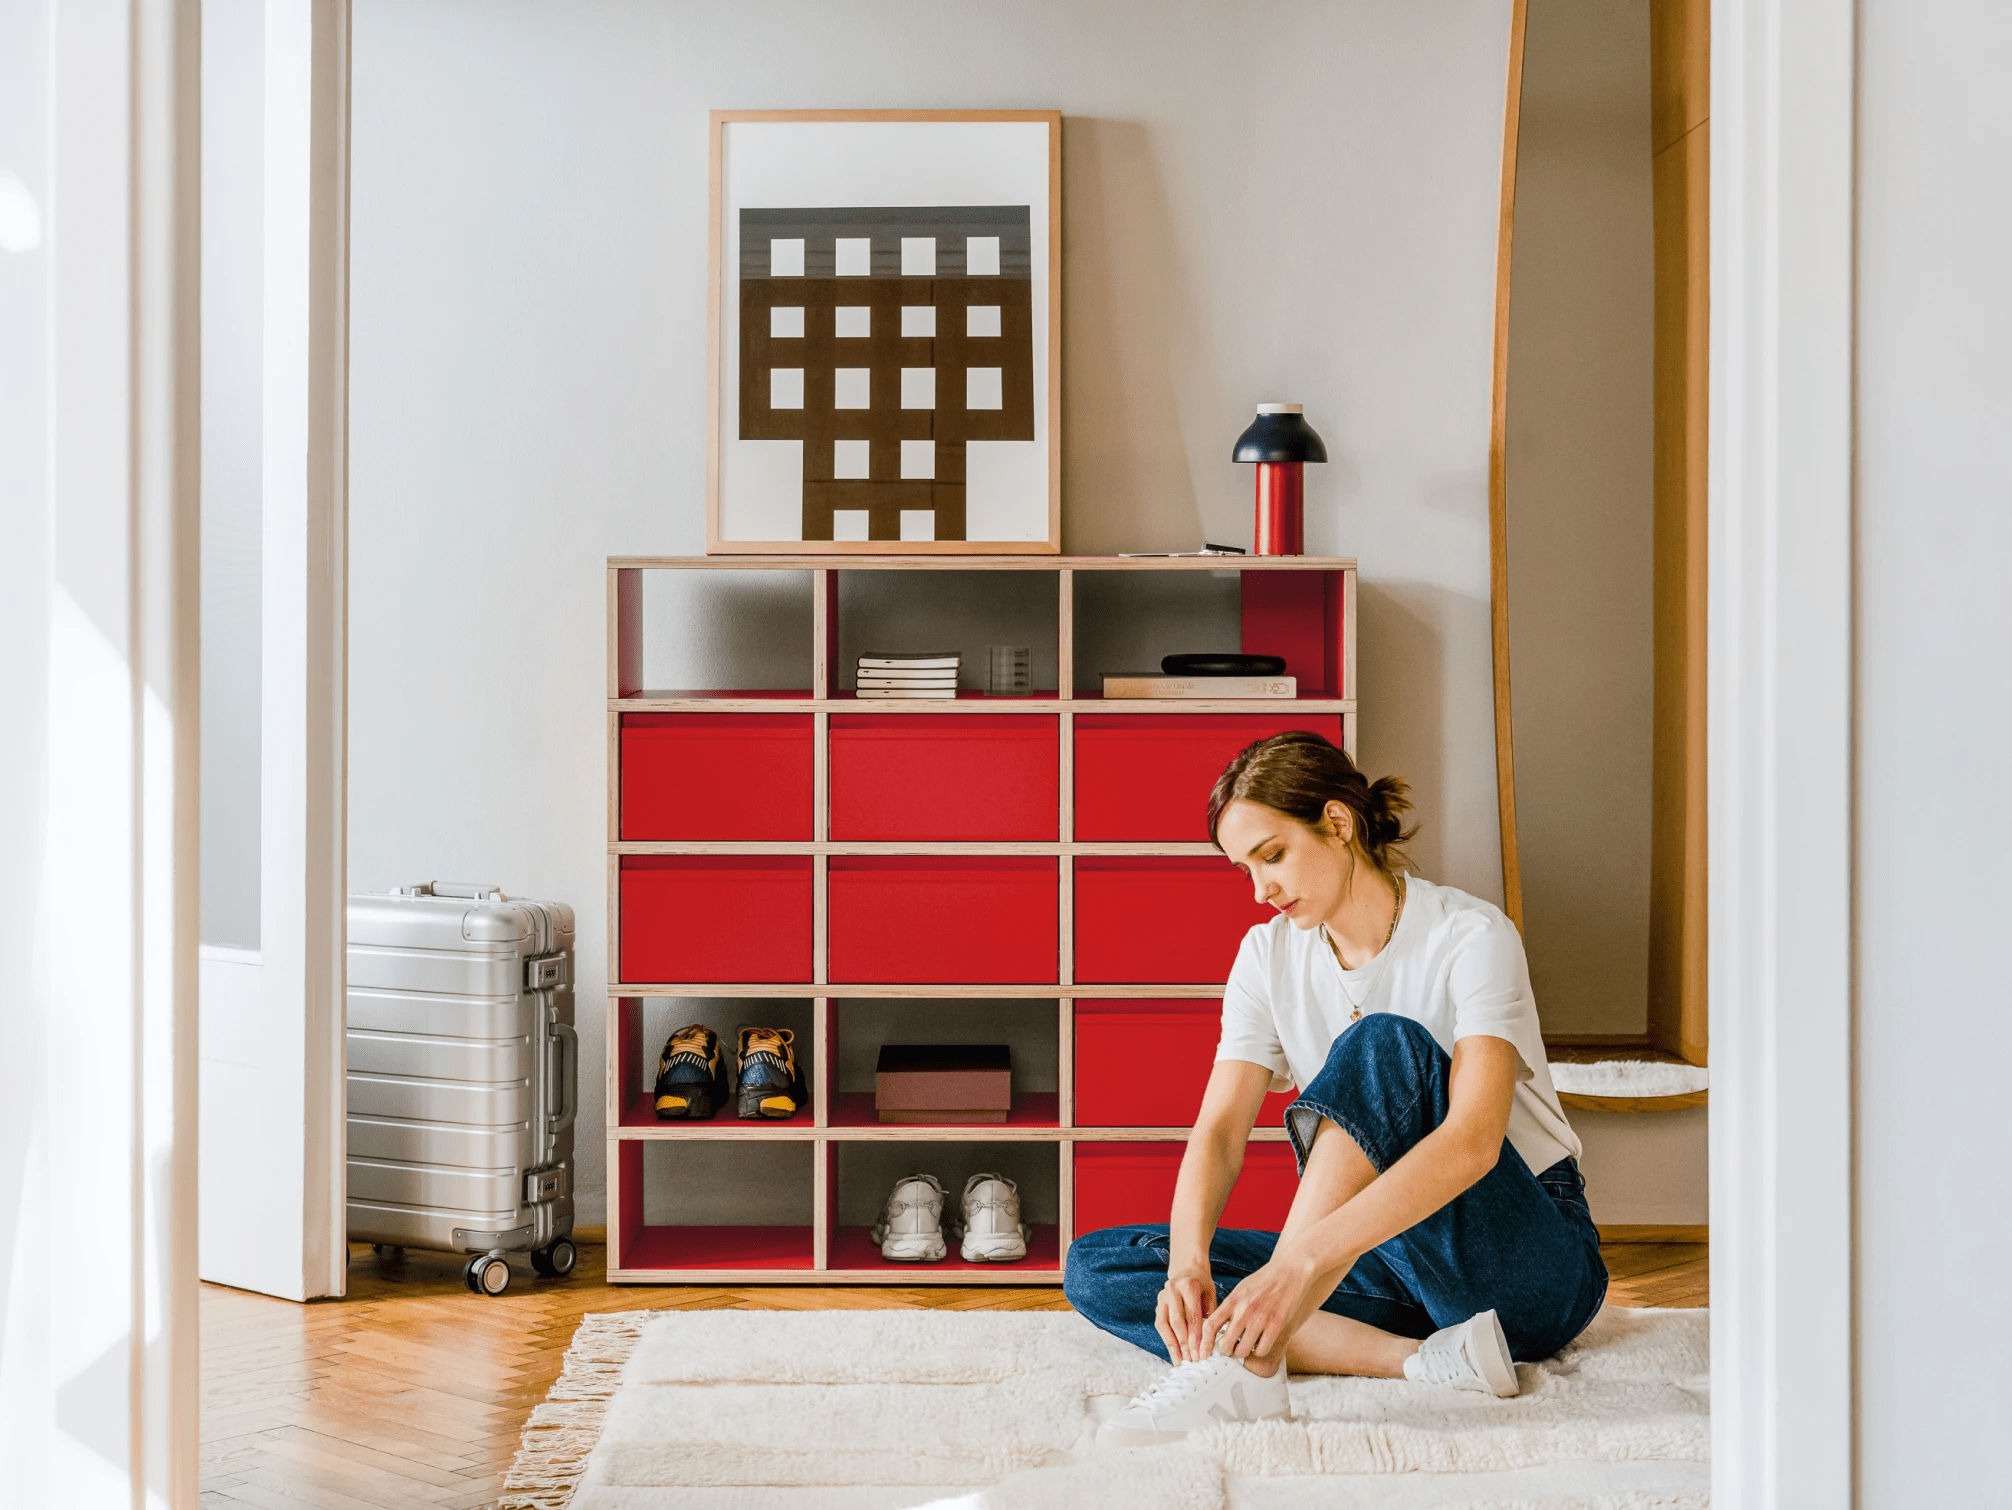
463 1077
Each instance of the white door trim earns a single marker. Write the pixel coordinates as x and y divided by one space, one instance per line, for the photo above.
1780 710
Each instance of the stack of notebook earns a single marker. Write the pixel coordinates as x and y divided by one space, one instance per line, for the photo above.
910 673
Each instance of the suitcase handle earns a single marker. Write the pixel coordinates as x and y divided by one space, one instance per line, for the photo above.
463 890
569 1074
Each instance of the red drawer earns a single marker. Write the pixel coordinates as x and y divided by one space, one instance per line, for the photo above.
904 777
716 775
1145 1063
1160 918
1132 1184
716 917
1148 775
954 920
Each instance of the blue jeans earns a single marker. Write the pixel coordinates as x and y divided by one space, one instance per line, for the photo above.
1518 1243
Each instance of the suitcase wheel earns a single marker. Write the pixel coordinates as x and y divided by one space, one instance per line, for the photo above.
487 1274
557 1260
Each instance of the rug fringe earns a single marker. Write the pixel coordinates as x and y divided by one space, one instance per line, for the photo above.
552 1453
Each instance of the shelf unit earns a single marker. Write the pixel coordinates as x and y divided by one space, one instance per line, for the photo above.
1098 886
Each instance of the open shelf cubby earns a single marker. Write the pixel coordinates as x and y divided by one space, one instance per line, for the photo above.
1028 870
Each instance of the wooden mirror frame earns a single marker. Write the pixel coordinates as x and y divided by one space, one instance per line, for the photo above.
1680 127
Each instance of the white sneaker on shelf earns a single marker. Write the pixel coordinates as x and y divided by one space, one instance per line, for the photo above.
1473 1355
993 1232
1194 1396
911 1227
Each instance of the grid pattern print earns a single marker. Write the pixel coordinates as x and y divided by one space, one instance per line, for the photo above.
884 340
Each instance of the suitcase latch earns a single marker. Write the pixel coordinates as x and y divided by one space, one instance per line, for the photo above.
545 1185
546 970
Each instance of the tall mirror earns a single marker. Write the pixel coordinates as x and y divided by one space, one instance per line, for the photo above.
1599 517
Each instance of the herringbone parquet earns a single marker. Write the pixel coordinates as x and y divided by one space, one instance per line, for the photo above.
408 1394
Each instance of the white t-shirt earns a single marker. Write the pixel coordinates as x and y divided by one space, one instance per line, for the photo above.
1455 965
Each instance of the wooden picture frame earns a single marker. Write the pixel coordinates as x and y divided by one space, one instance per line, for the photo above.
831 467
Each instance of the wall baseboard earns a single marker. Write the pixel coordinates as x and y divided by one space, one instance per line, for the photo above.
1624 1232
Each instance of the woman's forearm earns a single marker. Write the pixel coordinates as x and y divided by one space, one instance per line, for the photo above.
1209 1169
1439 1168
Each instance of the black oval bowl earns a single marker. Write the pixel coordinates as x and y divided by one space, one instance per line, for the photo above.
1222 663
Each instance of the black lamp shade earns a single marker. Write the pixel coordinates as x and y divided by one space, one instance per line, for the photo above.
1279 437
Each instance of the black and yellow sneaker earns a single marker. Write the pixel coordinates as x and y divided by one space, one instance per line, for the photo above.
692 1075
771 1085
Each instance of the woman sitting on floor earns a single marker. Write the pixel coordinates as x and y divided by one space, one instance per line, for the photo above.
1439 1197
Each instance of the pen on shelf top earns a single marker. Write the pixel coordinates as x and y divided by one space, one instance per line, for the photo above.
1206 550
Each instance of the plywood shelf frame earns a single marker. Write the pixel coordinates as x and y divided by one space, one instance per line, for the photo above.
626 693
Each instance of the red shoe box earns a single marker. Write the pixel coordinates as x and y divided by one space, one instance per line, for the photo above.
1161 918
1147 776
716 776
919 777
688 918
1131 1184
943 1082
1145 1063
951 920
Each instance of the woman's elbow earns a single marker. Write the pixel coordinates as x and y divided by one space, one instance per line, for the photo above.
1477 1155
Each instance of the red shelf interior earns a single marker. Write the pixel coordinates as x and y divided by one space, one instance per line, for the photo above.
1030 1109
1161 918
716 918
720 1248
945 776
854 1248
1146 776
1127 1184
949 918
1145 1063
642 1112
743 776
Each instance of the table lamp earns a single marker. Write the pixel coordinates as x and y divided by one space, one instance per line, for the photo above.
1281 442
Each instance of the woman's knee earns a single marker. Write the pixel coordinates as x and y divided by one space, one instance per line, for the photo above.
1097 1259
1383 1042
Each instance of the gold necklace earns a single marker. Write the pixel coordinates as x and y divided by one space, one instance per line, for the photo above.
1396 911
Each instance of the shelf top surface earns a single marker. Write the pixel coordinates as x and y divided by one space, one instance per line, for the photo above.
981 563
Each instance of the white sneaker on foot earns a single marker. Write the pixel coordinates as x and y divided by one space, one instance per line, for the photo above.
1473 1355
993 1232
1197 1395
911 1228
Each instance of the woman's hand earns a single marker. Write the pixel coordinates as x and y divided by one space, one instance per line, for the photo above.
1264 1310
1184 1304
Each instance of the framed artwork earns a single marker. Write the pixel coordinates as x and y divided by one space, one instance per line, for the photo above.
884 332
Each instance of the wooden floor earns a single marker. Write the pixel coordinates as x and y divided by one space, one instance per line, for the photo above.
408 1394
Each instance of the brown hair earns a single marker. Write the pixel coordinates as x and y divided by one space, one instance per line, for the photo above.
1298 774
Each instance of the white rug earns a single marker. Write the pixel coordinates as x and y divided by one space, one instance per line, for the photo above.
1630 1077
982 1410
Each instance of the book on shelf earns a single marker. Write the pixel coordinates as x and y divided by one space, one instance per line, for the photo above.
1146 684
908 692
908 678
909 660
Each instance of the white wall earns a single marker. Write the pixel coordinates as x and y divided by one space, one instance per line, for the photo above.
1934 885
1297 203
1582 511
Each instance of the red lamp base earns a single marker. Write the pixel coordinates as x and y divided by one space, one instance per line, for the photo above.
1281 509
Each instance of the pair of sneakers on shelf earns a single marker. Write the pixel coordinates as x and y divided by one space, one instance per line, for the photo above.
692 1074
910 1229
1194 1396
